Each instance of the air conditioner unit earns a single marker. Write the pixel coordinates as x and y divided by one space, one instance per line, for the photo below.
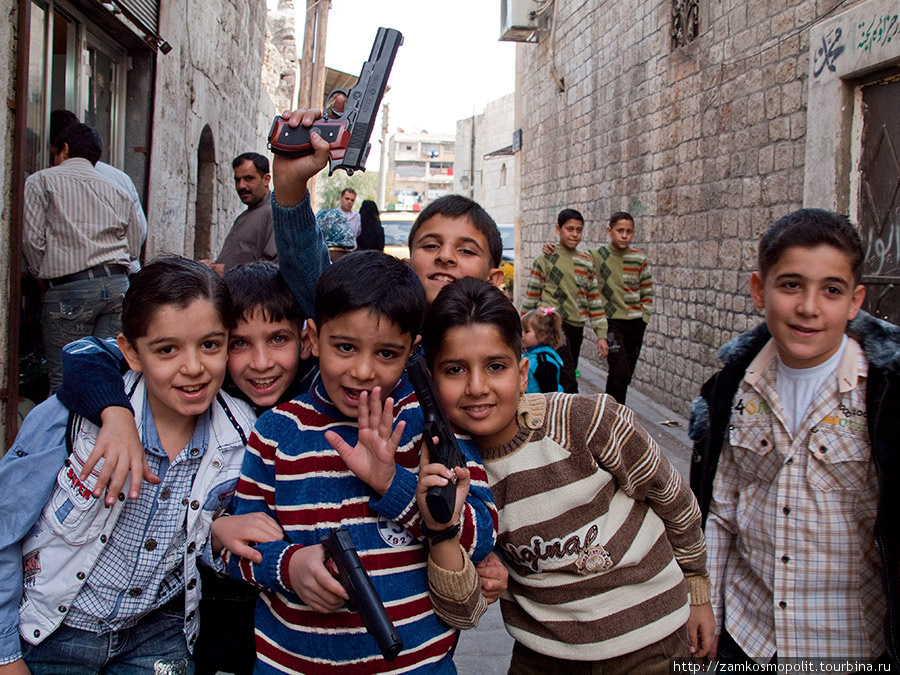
517 20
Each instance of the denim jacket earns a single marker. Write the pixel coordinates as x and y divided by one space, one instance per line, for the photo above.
50 516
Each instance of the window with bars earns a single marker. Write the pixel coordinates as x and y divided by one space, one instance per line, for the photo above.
685 22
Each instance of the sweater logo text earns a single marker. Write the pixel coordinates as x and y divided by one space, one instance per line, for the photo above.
589 557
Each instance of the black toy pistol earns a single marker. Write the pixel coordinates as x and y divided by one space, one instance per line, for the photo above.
349 131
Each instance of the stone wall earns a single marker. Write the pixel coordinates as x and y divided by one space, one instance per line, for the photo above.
211 77
703 144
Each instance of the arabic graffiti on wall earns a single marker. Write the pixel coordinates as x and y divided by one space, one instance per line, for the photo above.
828 52
883 248
878 32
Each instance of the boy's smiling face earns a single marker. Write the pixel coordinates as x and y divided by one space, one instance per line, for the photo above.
479 378
263 357
446 249
358 351
182 358
808 295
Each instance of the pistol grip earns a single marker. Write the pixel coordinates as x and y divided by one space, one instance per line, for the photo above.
291 141
441 500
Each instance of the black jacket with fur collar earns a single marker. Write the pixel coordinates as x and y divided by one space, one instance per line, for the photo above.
711 414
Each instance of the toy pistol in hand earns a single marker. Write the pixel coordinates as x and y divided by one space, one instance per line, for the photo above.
441 500
348 132
363 598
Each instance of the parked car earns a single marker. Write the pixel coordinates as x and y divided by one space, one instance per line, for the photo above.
396 225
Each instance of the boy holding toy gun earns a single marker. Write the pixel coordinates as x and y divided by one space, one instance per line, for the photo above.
329 459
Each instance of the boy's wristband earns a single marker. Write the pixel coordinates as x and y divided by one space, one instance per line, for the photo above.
437 536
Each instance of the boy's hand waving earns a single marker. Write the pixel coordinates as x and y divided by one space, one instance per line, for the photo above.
372 459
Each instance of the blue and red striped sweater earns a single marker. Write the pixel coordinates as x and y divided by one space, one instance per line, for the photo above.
291 473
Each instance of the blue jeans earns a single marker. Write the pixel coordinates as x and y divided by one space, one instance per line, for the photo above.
78 309
155 646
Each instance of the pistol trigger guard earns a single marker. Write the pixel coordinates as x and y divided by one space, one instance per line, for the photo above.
328 110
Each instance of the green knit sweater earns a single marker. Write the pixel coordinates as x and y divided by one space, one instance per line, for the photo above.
626 285
566 281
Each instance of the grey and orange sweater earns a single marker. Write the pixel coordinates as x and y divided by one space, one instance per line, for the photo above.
600 533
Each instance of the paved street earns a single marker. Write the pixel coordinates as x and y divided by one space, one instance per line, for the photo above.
486 649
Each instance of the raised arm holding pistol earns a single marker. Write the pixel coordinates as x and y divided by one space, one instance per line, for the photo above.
347 131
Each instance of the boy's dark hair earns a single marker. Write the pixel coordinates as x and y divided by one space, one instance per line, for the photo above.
375 281
82 141
466 302
59 120
260 162
457 206
808 228
171 280
620 215
259 286
348 189
568 214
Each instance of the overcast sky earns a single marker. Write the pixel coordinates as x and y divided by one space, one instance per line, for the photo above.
451 62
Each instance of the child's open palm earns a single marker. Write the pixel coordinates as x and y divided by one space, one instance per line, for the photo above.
372 458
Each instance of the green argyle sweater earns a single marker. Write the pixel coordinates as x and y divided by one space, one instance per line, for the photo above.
566 281
626 285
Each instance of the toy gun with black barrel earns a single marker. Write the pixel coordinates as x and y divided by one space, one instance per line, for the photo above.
363 598
347 132
441 500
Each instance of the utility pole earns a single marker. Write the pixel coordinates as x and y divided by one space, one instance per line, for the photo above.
382 172
312 64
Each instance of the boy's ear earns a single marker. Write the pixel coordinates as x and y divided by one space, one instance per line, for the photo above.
856 301
305 343
523 375
495 277
416 341
758 290
312 335
129 352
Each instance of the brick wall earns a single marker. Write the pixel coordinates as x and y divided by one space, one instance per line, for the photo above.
704 145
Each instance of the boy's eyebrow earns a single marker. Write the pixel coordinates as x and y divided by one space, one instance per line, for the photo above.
166 338
353 338
435 235
797 275
490 357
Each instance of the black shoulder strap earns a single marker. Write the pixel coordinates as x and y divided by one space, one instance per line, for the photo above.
72 426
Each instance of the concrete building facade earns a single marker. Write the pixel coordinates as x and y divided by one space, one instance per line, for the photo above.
420 166
174 93
708 121
485 164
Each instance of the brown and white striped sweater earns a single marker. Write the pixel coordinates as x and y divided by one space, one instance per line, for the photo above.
600 533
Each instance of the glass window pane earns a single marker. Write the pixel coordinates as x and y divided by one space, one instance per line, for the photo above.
101 96
35 145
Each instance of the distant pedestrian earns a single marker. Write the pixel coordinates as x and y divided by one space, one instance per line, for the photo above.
626 287
81 233
371 236
541 337
565 279
59 120
336 231
348 198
